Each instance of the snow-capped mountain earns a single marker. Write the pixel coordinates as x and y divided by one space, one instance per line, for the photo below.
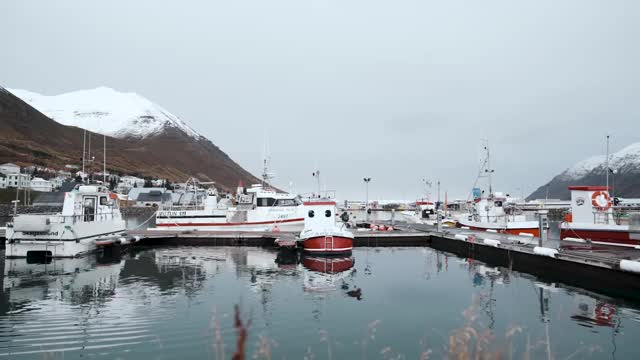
624 178
625 159
106 111
149 140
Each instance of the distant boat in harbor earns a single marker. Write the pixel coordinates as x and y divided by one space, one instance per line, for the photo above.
489 212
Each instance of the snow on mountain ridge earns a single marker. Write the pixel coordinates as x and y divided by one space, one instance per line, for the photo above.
106 111
628 156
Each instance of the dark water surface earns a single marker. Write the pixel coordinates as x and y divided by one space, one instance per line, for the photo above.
177 303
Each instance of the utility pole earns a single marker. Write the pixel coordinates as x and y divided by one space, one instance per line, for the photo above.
104 161
84 148
366 206
607 164
438 195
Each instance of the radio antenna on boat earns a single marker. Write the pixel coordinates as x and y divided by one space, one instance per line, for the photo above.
266 175
484 170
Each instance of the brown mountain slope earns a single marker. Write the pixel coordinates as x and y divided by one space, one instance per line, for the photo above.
29 137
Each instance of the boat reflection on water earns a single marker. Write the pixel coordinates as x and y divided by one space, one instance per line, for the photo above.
591 312
76 281
328 274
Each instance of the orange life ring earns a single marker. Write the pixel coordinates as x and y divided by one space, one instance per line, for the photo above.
595 197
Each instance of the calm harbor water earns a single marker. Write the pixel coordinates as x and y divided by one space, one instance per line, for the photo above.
177 302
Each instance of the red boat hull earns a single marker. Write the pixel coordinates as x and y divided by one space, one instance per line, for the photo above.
328 245
620 238
532 231
328 265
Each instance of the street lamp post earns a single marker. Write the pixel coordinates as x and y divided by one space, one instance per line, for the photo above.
366 205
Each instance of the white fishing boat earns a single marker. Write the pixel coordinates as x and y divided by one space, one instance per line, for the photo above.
258 208
490 212
90 218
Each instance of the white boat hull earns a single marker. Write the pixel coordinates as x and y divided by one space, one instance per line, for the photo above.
199 224
60 241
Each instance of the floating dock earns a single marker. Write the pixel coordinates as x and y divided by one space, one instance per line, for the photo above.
614 271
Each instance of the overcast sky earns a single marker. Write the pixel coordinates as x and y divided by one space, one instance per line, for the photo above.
393 90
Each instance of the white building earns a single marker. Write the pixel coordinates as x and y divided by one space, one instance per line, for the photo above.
40 184
13 178
9 168
132 181
3 181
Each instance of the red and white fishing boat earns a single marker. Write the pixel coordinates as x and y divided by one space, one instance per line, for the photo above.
322 234
593 219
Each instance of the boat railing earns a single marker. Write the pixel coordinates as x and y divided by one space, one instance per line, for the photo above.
183 208
327 194
621 215
504 218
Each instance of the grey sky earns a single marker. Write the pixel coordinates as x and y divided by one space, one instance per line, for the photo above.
393 90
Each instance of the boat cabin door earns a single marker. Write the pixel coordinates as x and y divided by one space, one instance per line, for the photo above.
89 208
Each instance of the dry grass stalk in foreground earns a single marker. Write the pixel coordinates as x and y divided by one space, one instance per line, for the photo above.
242 332
475 341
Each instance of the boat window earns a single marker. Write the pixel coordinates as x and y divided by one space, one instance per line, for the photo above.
312 213
498 203
327 213
89 208
286 202
266 201
104 200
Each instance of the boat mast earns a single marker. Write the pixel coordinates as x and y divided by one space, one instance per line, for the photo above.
266 175
488 170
